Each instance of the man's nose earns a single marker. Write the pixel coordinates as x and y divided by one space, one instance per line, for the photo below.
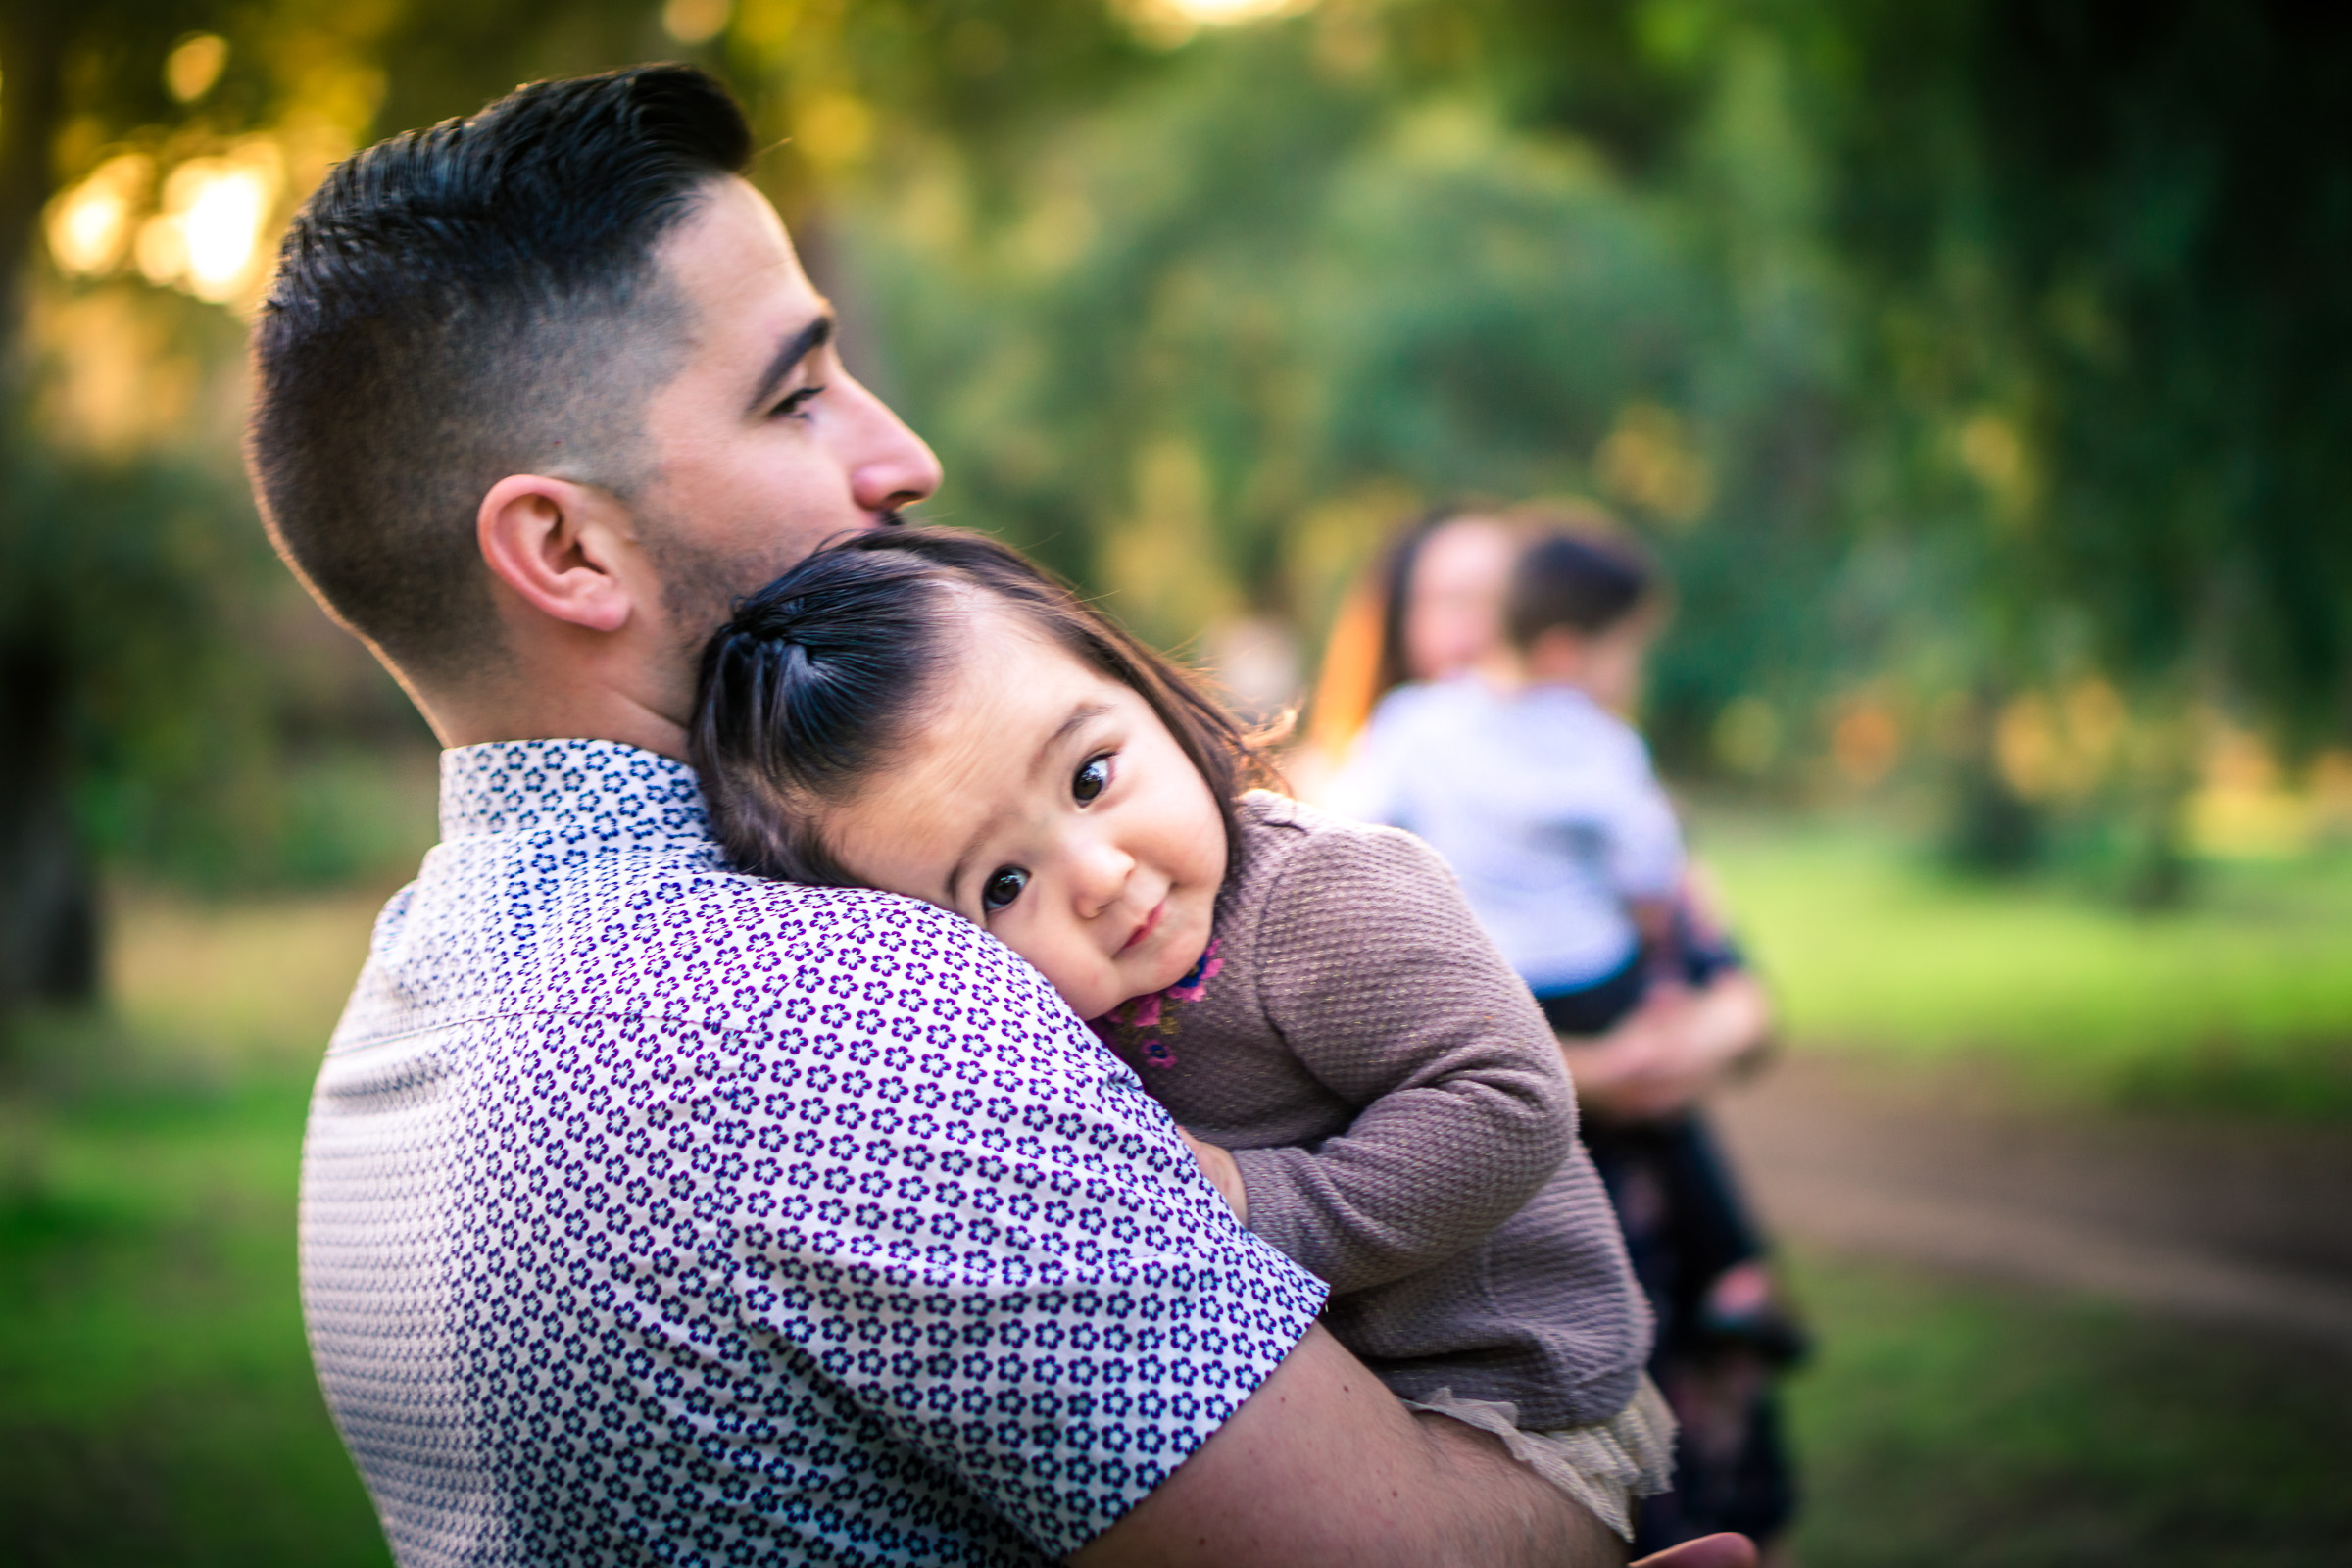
890 466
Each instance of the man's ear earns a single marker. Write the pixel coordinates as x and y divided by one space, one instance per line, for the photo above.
558 546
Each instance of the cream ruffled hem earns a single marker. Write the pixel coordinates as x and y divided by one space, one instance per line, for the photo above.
1604 1466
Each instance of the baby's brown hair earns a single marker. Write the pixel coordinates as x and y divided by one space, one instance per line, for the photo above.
819 678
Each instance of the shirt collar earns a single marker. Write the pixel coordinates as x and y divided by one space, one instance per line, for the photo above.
618 794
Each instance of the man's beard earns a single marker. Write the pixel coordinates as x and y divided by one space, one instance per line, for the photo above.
701 586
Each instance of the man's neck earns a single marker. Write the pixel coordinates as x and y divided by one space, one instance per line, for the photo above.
598 714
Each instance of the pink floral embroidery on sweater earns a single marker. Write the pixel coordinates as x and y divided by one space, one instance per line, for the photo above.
1148 1024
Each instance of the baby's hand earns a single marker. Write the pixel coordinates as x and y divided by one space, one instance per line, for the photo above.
1222 1172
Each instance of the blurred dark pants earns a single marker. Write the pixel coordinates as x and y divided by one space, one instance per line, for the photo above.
1684 1224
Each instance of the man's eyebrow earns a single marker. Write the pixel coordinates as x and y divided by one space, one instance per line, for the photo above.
794 348
1081 714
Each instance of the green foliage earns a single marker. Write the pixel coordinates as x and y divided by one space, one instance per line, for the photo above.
1995 343
161 1407
2239 1004
2117 232
122 699
1968 348
1264 284
154 623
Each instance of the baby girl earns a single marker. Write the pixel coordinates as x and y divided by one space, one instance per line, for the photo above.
1362 1074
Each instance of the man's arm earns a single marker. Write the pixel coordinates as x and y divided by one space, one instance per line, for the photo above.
1322 1465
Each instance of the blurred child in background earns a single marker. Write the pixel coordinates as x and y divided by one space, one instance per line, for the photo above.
1521 770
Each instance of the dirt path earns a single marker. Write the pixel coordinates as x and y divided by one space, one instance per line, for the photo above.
2246 1224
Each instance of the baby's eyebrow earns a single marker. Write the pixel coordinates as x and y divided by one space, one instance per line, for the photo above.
964 861
1083 714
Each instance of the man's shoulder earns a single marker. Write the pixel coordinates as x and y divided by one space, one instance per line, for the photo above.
666 931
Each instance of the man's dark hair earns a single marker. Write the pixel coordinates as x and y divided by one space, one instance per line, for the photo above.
463 303
825 674
1579 577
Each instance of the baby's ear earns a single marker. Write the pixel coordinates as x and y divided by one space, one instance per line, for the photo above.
1557 654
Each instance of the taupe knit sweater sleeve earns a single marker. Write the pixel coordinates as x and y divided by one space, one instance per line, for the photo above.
1371 966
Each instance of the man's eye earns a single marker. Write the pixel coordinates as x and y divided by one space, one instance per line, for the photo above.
1092 779
798 402
1003 888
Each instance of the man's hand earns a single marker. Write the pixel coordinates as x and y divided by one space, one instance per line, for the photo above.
1322 1468
1707 1552
1224 1173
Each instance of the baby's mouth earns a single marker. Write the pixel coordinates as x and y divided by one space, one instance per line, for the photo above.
1150 924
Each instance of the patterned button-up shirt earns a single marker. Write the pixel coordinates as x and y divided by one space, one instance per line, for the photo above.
653 1212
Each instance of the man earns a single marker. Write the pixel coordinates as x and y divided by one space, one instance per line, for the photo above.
655 1213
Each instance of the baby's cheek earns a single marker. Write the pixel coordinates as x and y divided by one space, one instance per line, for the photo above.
1070 973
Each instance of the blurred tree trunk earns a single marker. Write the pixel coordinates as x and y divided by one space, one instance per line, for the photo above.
48 925
32 47
1993 830
48 911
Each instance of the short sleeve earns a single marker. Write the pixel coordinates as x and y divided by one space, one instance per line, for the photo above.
978 1230
1645 840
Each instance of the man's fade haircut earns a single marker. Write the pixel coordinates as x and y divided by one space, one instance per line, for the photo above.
463 303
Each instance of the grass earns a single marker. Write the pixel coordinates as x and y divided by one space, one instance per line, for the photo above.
1953 1425
159 1402
157 1405
2238 1002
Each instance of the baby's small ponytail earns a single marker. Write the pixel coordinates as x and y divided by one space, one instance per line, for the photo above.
803 695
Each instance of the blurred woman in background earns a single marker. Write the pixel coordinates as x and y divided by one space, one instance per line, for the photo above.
1431 611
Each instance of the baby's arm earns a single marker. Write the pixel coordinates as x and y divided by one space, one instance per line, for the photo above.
1646 851
1645 837
1662 940
1386 988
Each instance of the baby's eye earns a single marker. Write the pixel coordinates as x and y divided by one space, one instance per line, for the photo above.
1092 779
1003 888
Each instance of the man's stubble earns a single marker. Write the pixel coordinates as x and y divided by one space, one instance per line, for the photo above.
702 583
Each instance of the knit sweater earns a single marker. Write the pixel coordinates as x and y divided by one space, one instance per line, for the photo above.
1402 1121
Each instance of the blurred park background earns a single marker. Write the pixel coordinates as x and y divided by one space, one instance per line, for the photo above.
1978 366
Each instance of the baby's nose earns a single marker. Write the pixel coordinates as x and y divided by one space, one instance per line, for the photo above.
1101 877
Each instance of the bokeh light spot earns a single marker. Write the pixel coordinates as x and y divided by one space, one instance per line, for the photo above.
208 237
1170 23
695 21
90 224
191 69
